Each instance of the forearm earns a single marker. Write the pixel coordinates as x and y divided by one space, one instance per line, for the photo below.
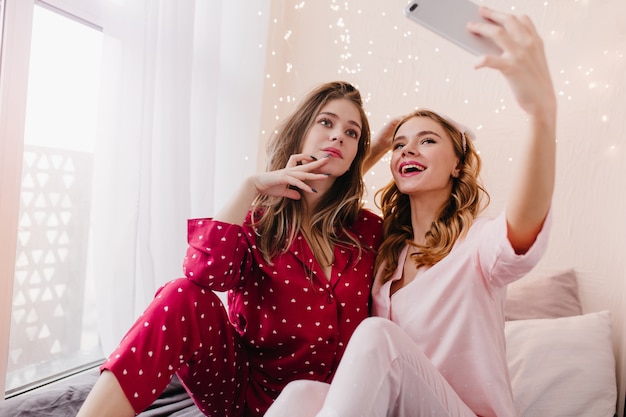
381 143
533 185
236 209
377 151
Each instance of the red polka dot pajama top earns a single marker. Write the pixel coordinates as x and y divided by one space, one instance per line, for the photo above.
285 320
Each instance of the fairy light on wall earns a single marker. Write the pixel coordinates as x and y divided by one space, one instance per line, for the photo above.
399 66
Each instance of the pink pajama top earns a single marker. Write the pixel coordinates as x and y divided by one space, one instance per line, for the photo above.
454 312
293 321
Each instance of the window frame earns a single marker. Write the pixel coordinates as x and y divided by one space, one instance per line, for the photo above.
18 17
15 43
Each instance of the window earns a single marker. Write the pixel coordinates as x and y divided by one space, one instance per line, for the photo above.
53 323
1 24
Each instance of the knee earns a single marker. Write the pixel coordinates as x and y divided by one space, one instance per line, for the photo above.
295 388
303 388
375 338
181 295
373 329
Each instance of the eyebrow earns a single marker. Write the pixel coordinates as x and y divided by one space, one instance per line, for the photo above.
337 117
420 134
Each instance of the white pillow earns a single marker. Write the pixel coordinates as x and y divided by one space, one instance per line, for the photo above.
562 367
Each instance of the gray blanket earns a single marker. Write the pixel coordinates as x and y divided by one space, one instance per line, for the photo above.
64 398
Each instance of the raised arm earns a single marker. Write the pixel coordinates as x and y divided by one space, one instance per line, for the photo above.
523 63
381 143
272 183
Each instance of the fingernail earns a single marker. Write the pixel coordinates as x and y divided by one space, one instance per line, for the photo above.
313 158
314 190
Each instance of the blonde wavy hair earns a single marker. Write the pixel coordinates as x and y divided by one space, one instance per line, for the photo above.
278 220
467 199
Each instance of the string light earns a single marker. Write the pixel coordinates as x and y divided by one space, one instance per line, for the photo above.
399 66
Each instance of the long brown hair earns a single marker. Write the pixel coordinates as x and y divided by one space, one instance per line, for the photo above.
277 220
467 199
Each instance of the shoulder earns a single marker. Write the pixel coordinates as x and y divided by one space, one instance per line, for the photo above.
368 227
368 219
487 224
483 231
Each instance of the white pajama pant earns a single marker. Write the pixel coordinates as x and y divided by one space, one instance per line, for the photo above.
382 373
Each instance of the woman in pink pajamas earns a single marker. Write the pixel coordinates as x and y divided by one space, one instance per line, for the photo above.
438 346
298 266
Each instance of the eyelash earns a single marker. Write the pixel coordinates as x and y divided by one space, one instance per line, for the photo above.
328 123
425 140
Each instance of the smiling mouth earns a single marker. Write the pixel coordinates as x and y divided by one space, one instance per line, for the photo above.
409 168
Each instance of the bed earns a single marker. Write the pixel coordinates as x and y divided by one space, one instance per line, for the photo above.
561 360
64 398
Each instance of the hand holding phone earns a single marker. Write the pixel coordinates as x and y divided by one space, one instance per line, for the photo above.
448 18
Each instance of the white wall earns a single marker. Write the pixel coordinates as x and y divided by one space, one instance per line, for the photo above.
399 66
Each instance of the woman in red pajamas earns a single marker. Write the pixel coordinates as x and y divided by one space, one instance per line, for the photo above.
295 249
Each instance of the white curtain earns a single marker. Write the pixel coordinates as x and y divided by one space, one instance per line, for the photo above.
182 91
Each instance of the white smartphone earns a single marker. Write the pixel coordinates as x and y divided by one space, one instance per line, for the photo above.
448 18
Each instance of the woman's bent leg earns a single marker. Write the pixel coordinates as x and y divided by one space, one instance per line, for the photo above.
301 398
383 373
185 330
106 398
